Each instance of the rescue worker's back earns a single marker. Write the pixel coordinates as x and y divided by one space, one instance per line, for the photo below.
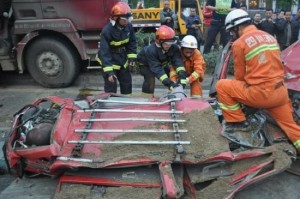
257 57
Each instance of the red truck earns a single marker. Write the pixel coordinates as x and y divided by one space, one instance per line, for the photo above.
51 39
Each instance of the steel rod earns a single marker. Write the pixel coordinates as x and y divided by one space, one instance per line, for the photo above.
130 111
139 103
132 119
129 131
63 158
129 142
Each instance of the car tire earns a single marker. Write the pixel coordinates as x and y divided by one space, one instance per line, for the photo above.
52 62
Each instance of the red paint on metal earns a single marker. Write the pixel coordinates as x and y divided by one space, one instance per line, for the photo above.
251 170
170 190
189 187
290 59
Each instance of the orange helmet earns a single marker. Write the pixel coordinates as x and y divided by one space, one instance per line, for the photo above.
120 9
164 34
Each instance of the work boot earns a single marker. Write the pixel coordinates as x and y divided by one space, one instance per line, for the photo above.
238 126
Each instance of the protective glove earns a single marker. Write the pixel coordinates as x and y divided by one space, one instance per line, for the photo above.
182 78
182 74
170 84
174 85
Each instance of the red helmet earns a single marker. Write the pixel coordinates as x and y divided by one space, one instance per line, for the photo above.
120 9
164 33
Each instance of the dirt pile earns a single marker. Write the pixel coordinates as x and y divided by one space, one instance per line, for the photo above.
203 133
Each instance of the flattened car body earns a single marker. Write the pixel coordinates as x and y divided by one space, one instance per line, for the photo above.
172 146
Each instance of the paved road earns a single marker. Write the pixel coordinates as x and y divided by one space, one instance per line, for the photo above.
19 90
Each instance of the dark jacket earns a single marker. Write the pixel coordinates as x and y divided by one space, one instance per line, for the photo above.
159 62
281 33
268 26
167 13
190 20
116 45
256 24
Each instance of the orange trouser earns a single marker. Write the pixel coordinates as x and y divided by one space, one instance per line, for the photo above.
195 86
272 97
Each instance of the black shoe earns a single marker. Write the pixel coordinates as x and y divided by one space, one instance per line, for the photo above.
237 126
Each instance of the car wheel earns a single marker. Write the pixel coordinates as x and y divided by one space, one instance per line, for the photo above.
52 62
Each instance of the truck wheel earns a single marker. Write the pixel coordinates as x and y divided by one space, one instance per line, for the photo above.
52 63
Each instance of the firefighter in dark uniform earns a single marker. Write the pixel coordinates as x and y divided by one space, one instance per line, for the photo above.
154 61
118 50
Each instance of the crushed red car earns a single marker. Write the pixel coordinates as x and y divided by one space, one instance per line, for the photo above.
170 147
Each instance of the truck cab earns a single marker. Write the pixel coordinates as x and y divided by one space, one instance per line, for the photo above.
51 39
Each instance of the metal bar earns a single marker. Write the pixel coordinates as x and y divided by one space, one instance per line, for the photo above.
76 151
128 142
132 119
129 111
140 103
129 131
63 158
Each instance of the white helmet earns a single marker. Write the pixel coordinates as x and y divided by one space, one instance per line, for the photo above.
235 18
189 41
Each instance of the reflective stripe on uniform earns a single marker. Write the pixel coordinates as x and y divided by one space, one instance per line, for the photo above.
116 67
260 49
126 64
119 43
108 68
163 77
297 144
180 68
195 75
183 81
232 108
98 60
132 56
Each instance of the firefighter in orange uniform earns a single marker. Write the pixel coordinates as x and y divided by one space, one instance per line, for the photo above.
258 81
194 65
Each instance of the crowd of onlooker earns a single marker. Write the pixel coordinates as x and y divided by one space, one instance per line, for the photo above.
282 25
